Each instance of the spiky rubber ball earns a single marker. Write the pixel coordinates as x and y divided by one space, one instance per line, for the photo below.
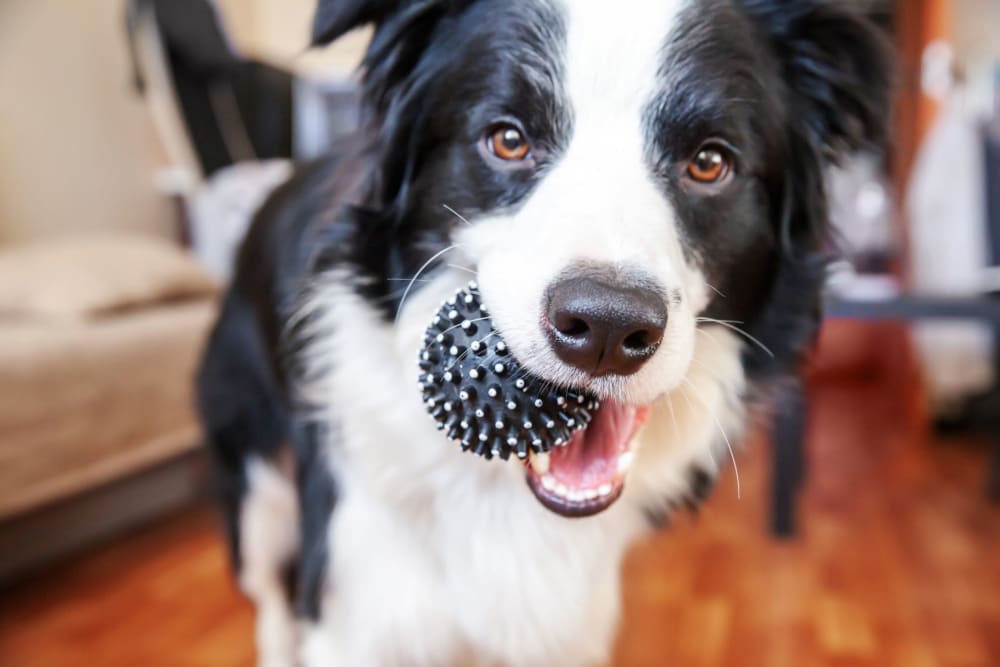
481 397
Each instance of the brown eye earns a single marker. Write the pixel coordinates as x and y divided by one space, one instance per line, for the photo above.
508 143
710 164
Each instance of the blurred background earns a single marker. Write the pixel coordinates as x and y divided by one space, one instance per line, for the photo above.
137 137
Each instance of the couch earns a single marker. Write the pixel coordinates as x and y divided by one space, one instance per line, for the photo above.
99 341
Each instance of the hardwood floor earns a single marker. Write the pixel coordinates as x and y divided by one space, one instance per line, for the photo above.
897 565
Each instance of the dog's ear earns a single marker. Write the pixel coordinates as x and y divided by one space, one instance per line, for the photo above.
837 66
836 84
335 17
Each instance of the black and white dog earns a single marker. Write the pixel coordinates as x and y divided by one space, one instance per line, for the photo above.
637 187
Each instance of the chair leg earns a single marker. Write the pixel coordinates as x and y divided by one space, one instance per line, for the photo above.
993 480
789 458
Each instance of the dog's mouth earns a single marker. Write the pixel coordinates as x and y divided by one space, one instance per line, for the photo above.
587 475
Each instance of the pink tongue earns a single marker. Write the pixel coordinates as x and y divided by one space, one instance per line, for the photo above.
591 457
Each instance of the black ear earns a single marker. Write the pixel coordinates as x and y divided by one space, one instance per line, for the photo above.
837 66
336 17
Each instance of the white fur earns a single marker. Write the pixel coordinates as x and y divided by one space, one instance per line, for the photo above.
439 558
269 539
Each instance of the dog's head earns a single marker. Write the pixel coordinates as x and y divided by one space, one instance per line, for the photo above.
617 174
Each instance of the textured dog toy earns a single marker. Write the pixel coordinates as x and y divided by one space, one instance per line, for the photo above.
479 394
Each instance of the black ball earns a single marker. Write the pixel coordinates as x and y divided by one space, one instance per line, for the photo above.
479 394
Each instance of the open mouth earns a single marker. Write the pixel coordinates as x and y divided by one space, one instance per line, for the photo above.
587 475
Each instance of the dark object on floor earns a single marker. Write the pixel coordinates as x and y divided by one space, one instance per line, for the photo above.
789 419
789 457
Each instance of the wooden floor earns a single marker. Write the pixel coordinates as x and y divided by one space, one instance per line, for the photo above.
897 565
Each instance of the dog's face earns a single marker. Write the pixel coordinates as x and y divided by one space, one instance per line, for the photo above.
616 174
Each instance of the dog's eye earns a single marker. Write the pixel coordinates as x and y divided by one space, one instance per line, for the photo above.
711 164
508 143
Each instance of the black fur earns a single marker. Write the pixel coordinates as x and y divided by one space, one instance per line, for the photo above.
243 395
469 62
699 487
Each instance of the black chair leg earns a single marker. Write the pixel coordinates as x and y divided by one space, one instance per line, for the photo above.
993 481
789 458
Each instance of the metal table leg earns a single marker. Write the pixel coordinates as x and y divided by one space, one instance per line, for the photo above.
789 457
993 480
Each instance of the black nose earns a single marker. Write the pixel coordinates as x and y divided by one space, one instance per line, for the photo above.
603 328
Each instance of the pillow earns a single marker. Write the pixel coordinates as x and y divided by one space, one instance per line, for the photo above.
78 278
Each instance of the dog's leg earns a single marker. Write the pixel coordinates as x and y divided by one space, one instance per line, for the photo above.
268 546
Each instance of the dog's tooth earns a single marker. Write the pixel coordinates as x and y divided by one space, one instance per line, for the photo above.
625 462
548 482
604 489
590 494
540 463
575 496
562 490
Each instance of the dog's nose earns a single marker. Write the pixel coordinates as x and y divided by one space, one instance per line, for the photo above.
603 328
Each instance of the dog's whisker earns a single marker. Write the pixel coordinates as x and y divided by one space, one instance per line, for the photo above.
463 268
729 445
716 290
416 275
692 410
736 329
712 319
456 214
460 324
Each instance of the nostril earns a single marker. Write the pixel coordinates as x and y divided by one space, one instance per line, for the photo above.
639 341
573 327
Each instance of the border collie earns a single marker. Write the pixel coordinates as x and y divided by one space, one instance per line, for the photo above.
637 187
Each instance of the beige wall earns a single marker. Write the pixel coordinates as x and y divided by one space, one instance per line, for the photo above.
77 150
278 30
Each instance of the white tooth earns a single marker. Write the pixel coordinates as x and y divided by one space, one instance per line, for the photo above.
604 489
590 494
625 462
562 490
549 483
576 496
539 462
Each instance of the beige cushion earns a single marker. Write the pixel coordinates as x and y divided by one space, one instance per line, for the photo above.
86 277
87 402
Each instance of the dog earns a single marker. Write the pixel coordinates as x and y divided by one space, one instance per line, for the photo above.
638 190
